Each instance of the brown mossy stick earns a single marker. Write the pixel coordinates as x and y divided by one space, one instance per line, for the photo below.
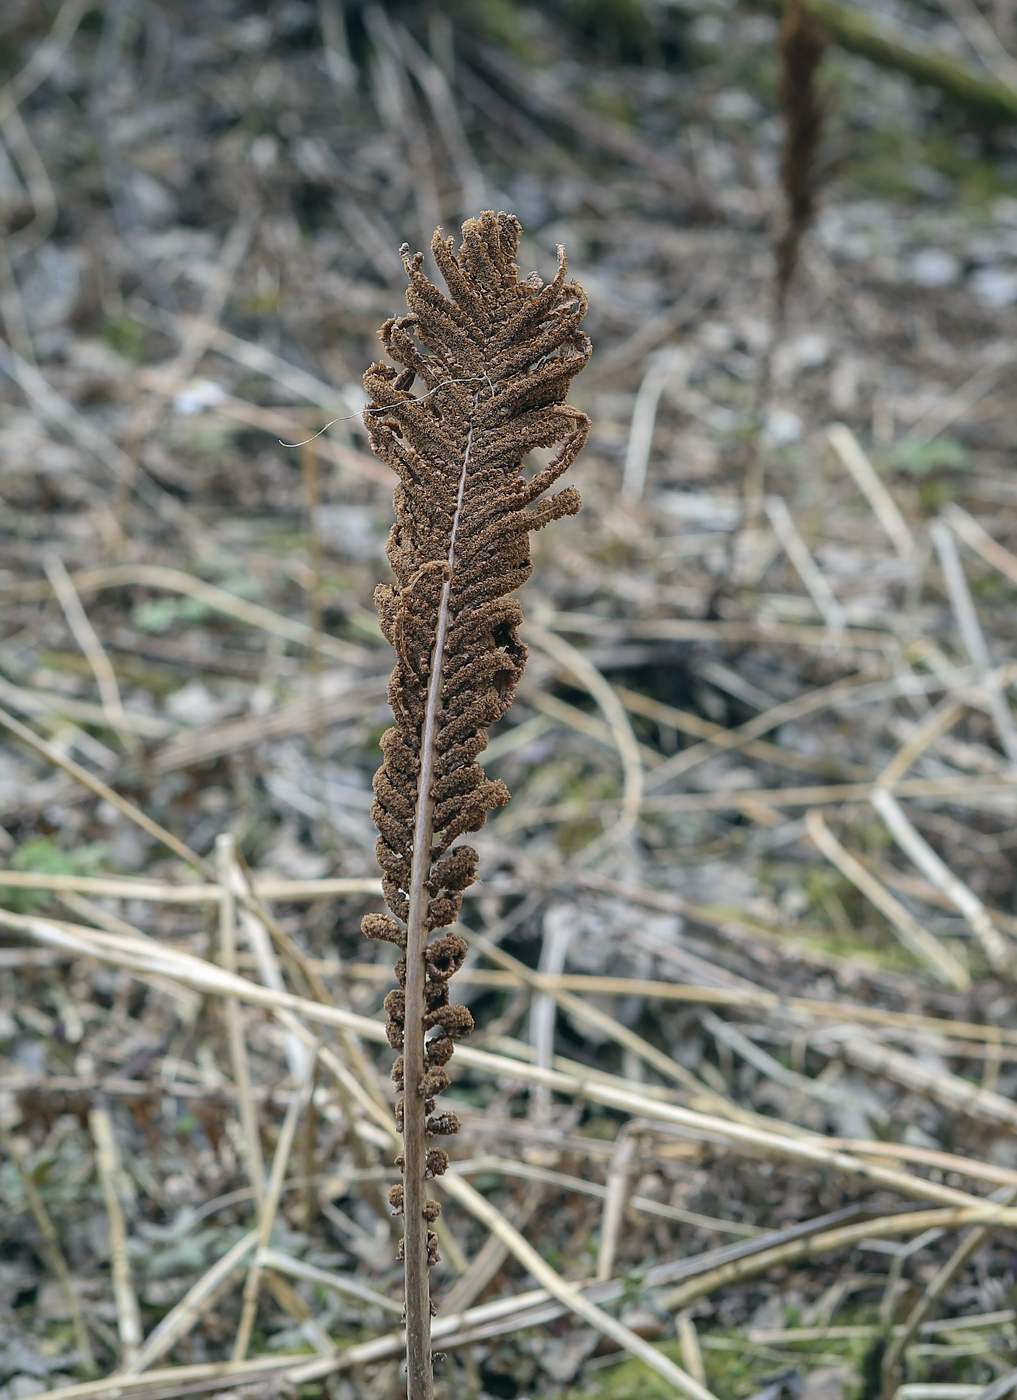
496 359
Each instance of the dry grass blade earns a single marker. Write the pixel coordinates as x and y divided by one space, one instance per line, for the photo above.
224 849
687 723
173 1382
186 1314
490 1258
688 1340
584 671
104 791
955 1093
937 723
45 57
269 1210
164 892
128 1313
53 408
767 1065
1001 1387
935 1290
147 956
973 637
587 1013
662 367
884 507
979 539
913 1223
815 581
963 792
855 687
933 868
559 926
568 1294
529 1171
940 962
339 1283
619 1182
169 580
92 648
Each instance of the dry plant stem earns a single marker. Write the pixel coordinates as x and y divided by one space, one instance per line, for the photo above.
688 1340
147 956
218 599
973 637
270 1207
44 58
816 583
911 1223
12 309
884 507
801 45
619 1180
310 890
488 1320
584 671
761 724
935 1290
165 892
254 903
225 848
511 1167
568 1294
955 1093
937 723
244 896
939 960
559 924
983 38
51 407
177 1381
419 1370
979 539
963 898
488 1260
345 1284
770 1067
593 1015
54 1254
108 794
186 1314
84 635
128 1314
968 1038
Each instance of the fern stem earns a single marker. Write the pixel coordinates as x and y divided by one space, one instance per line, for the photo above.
419 1370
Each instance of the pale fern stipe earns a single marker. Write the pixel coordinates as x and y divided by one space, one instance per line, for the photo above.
496 358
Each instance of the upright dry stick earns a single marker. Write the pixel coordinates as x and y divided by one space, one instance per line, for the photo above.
801 47
496 361
125 1298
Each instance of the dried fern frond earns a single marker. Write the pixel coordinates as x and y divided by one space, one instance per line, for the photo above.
496 358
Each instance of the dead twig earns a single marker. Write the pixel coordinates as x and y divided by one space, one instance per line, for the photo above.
128 1313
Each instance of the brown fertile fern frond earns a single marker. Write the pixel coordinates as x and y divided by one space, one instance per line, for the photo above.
496 359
